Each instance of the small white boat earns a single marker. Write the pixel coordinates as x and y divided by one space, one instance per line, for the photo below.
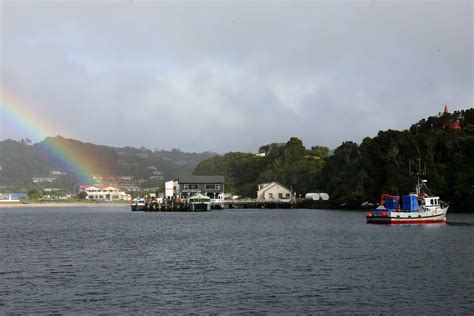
138 204
417 208
200 203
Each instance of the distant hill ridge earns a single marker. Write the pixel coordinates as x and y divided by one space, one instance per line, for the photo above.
21 161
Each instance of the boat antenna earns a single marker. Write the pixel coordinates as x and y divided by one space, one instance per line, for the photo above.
420 183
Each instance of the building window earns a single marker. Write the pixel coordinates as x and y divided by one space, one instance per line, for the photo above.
288 195
212 186
280 195
190 187
270 195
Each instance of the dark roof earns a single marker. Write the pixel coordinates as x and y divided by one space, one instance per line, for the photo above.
201 179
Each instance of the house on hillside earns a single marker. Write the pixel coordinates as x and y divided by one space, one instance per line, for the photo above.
450 123
273 191
57 173
187 186
43 179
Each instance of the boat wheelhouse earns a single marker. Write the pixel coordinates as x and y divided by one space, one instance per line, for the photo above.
138 204
200 202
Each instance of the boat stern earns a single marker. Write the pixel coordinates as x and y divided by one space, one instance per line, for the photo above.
379 216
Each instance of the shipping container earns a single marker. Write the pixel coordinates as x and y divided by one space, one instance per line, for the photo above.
391 203
410 202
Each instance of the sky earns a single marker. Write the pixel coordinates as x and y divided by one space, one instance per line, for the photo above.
230 76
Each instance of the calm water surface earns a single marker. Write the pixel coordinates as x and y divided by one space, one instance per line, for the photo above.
110 260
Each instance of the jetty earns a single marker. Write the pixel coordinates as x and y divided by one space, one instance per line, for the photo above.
216 204
254 203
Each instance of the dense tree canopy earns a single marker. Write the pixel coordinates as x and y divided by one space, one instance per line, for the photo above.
290 164
358 173
354 173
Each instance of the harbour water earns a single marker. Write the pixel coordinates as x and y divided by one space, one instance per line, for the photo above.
111 260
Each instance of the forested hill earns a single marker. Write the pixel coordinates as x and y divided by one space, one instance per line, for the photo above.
20 161
357 173
289 163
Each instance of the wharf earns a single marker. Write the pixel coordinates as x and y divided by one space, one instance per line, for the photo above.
253 203
219 204
167 207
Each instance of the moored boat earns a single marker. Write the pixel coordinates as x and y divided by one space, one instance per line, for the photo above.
416 208
138 204
200 202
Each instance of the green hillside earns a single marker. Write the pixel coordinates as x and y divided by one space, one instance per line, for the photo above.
290 164
21 162
357 173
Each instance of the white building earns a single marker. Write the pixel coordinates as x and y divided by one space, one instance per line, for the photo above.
105 194
273 191
57 173
171 188
43 179
8 197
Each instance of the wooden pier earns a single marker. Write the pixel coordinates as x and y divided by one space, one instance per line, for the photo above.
253 203
219 204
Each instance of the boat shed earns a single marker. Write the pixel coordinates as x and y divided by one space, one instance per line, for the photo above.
273 191
212 186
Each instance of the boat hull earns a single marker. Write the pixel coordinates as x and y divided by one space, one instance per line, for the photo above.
137 208
397 217
200 206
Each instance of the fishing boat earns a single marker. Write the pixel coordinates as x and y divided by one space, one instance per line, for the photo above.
200 203
416 208
138 204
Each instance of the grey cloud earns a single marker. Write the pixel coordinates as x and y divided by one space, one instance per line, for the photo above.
233 76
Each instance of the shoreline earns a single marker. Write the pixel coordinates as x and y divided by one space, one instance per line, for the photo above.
59 204
5 205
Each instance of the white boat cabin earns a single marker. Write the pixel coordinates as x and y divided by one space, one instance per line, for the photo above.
430 201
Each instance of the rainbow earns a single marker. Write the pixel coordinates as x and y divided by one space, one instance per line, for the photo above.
38 126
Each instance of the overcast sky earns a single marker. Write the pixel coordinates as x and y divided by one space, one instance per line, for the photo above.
232 76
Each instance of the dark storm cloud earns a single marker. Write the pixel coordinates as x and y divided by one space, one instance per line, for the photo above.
233 76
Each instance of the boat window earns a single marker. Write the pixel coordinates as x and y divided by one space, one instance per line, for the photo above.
431 202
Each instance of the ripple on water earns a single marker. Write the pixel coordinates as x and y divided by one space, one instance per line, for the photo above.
232 261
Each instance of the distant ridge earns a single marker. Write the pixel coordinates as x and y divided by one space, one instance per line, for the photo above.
22 161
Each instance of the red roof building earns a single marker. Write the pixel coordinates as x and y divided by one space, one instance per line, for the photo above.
450 123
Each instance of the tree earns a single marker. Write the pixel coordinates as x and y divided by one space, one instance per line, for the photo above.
35 194
288 163
82 195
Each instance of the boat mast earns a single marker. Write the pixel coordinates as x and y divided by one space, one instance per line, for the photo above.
420 183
